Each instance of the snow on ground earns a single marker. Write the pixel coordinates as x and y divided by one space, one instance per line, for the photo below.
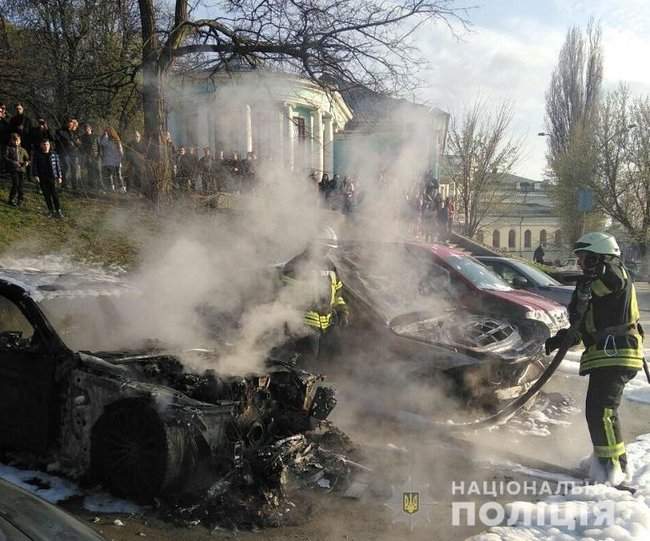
49 487
630 513
55 489
57 263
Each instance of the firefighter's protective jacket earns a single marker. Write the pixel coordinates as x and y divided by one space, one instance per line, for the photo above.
610 330
322 289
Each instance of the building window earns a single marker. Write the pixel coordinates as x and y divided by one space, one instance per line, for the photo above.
542 237
528 238
496 239
480 237
558 237
301 130
512 238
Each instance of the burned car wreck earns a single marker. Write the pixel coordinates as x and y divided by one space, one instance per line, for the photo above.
410 330
135 421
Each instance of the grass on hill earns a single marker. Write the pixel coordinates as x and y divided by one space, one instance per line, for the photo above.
91 230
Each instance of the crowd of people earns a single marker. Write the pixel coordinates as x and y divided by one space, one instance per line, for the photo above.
338 193
76 159
428 215
66 158
82 161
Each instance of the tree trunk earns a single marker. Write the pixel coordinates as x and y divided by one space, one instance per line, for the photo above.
158 170
158 165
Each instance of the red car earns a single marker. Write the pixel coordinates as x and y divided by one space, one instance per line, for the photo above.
425 315
481 290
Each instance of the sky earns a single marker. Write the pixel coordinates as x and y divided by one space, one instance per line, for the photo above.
511 49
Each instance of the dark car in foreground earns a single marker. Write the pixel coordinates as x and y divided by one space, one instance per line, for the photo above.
521 275
135 420
418 320
26 517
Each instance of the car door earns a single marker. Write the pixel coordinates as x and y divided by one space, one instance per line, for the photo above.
26 382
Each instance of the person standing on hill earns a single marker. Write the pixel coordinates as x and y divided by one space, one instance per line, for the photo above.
17 161
67 146
46 170
112 152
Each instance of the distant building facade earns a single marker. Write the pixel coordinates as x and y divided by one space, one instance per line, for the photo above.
524 218
277 116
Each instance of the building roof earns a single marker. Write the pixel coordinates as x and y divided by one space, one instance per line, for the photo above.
374 110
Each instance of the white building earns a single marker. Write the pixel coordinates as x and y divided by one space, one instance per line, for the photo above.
279 117
527 219
524 218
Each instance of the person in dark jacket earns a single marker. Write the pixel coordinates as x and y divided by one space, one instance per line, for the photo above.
16 161
46 170
67 146
206 167
89 153
39 134
606 309
538 255
184 170
21 124
4 134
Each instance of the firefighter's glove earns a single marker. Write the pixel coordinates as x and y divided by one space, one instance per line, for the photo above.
344 319
554 342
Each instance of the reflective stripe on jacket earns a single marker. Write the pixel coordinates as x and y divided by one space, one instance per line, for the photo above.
322 317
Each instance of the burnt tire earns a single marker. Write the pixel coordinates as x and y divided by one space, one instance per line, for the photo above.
129 451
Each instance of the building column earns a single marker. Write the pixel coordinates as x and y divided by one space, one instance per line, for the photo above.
279 148
328 144
248 130
290 135
317 140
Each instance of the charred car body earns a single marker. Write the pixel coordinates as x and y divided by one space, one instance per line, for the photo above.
135 421
413 322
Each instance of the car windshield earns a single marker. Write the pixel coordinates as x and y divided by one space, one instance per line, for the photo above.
96 322
395 279
476 272
535 275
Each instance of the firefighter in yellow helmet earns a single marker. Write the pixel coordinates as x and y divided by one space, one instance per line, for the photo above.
613 340
319 288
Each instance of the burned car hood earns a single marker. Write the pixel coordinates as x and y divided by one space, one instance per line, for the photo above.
458 330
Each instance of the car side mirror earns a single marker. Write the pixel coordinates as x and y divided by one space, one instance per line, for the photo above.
519 282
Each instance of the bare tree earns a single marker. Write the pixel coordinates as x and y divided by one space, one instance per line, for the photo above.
622 180
333 42
483 152
571 106
71 57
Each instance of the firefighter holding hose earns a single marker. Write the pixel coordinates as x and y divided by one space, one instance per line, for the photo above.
604 305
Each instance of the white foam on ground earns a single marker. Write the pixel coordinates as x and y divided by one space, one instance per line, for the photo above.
56 489
631 511
638 390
